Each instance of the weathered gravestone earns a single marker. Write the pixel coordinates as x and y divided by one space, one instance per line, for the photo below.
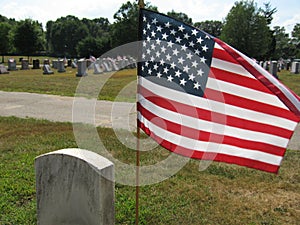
81 68
273 68
97 68
12 65
36 64
3 69
295 67
46 62
47 70
25 64
74 187
55 64
61 66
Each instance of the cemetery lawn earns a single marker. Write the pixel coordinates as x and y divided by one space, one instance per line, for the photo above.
65 84
222 194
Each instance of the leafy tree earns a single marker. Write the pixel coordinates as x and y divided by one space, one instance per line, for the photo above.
91 46
211 27
283 47
28 37
64 34
181 16
4 38
247 30
296 40
125 28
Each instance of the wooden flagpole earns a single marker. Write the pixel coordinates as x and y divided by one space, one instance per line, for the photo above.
137 187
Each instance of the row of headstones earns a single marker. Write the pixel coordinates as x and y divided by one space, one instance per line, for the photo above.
273 67
104 65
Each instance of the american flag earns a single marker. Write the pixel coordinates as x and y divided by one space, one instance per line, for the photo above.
200 98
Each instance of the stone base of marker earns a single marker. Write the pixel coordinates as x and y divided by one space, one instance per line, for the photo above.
74 186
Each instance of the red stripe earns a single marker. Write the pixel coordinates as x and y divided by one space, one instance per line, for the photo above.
221 54
207 136
238 80
273 88
215 117
210 156
249 104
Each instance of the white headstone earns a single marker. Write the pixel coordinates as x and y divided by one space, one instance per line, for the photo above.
47 69
81 68
12 65
61 66
74 187
295 67
273 68
25 64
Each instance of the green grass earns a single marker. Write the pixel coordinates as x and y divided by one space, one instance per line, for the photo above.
66 84
222 194
290 80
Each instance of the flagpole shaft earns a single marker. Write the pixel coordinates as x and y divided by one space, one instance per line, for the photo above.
137 187
141 5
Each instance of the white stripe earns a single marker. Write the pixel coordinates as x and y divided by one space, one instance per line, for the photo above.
230 67
210 147
275 82
244 92
218 107
212 127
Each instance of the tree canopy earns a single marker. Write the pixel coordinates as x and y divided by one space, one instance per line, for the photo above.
246 27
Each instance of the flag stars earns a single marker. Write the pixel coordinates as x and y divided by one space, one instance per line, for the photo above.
154 21
178 39
181 60
194 32
166 70
175 52
170 44
204 48
196 85
173 65
168 57
184 47
186 36
159 75
178 73
183 82
194 64
153 34
148 26
200 40
165 36
167 25
181 28
200 72
189 55
186 69
170 78
202 59
159 29
191 77
173 32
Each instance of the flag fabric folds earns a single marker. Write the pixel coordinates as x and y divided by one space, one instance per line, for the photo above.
201 98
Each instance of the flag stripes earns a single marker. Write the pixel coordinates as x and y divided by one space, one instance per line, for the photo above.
213 102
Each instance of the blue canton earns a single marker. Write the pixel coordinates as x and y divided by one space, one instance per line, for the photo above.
174 54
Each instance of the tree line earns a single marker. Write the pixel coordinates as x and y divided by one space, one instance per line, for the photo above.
246 27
